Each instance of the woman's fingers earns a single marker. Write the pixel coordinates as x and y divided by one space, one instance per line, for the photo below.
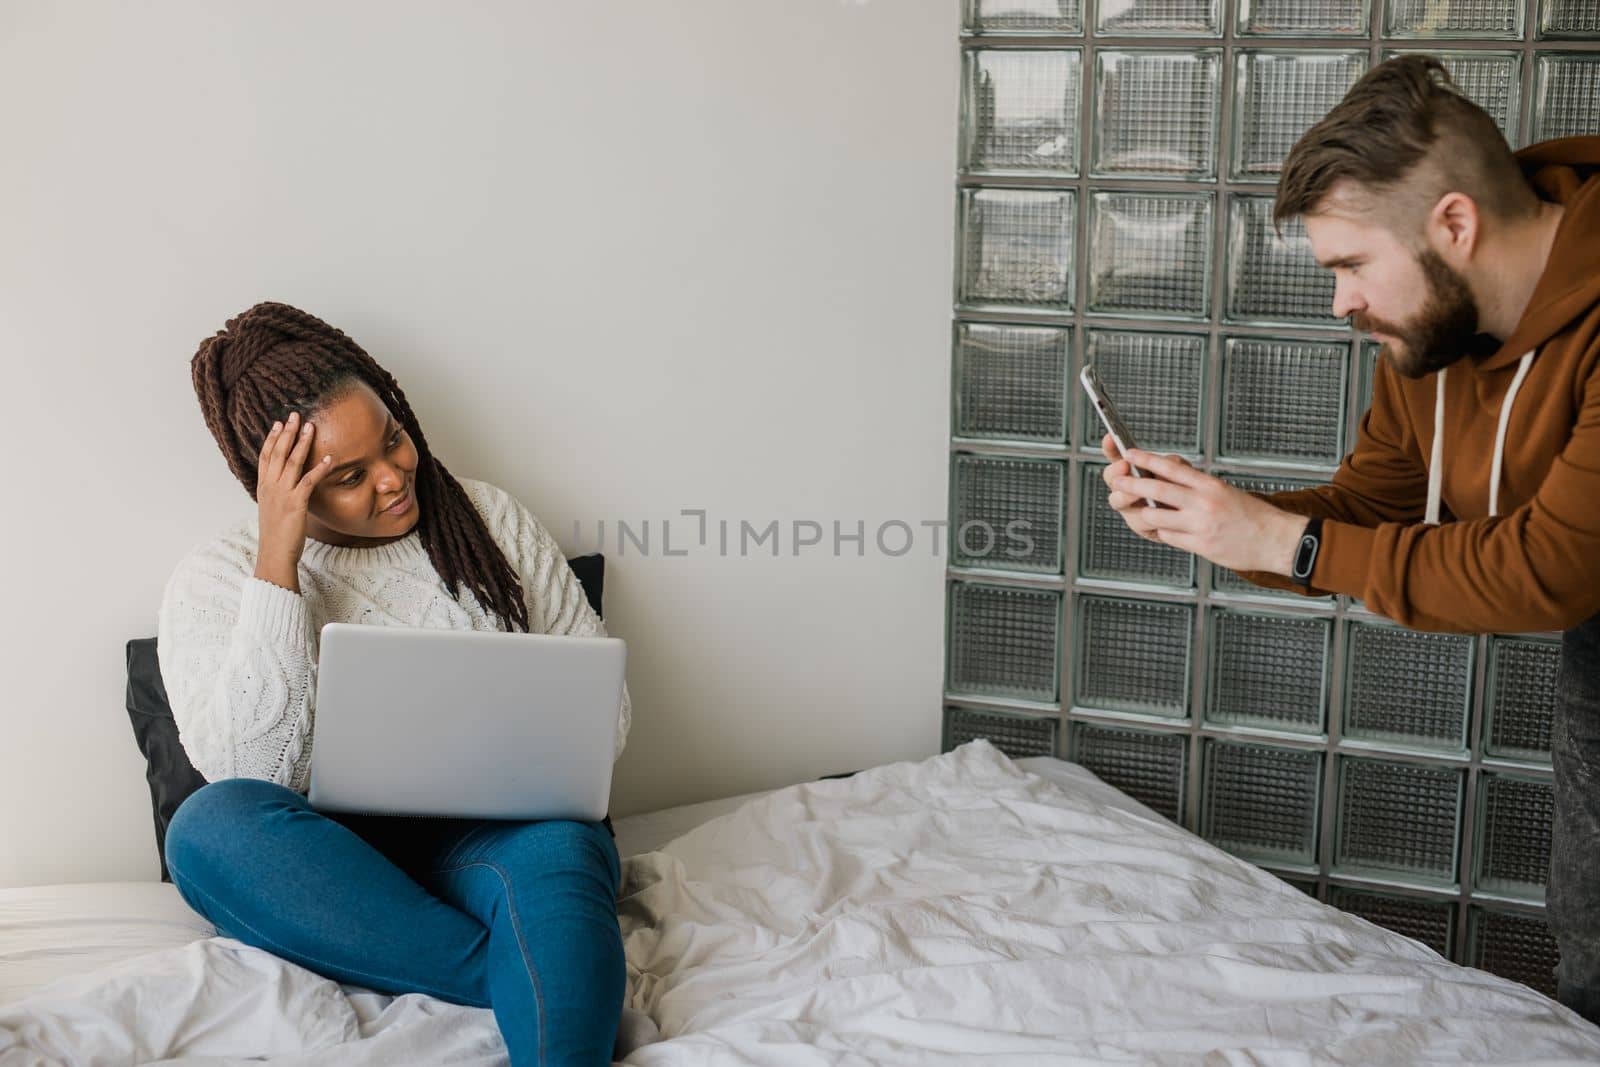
288 437
297 451
319 470
266 466
305 480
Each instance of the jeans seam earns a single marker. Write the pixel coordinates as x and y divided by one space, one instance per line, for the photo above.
282 951
516 928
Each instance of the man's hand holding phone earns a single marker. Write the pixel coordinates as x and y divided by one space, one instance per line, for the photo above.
1165 500
1121 502
1201 514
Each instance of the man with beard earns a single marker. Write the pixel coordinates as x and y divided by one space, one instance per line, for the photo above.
1471 501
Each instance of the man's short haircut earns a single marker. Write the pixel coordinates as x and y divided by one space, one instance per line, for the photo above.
1402 137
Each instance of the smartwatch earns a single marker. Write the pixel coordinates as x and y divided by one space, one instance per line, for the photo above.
1305 553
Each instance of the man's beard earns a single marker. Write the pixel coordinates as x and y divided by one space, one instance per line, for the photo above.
1443 331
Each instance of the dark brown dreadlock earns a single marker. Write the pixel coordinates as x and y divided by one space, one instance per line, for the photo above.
274 359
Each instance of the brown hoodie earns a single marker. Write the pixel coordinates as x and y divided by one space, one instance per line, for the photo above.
1534 565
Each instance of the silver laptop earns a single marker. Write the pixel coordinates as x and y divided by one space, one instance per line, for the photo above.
465 723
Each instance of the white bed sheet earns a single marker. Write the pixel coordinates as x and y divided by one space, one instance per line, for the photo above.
57 931
936 912
648 831
52 932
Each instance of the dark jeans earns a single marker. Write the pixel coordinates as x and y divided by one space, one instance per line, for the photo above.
1572 900
517 916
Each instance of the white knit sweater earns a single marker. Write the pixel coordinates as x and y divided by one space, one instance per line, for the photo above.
238 655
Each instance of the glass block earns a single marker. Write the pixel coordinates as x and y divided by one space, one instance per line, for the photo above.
1408 687
1401 818
1156 380
1005 513
1520 698
1063 17
1274 279
1492 80
1150 254
1367 356
1453 18
1261 802
1280 96
1513 842
1515 946
1004 642
1156 113
1224 580
1283 401
1366 367
1304 18
1016 248
1010 382
1017 736
1569 18
1309 888
1019 111
1109 549
1151 767
1269 670
1565 91
1164 18
1133 655
1432 922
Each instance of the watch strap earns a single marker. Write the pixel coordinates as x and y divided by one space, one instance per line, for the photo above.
1306 552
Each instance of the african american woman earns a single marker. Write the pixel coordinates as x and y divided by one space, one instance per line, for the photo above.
357 521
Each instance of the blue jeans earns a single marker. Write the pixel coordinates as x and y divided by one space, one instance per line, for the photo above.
517 916
1572 899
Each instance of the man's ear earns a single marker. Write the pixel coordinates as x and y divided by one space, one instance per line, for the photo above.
1452 228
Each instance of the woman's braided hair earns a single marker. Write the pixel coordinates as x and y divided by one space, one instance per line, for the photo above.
274 359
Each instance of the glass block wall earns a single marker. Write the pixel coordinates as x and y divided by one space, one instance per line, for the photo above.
1116 175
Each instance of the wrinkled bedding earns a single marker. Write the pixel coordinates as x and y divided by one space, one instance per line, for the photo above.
935 912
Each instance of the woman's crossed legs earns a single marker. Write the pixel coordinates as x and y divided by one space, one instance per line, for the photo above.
518 916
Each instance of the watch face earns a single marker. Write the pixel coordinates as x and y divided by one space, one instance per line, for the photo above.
1304 556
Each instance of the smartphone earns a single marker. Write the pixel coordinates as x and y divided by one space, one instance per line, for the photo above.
1113 421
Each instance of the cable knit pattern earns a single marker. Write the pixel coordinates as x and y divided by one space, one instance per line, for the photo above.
239 655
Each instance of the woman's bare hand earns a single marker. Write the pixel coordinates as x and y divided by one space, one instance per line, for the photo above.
283 494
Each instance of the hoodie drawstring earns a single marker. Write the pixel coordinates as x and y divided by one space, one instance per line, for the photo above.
1436 463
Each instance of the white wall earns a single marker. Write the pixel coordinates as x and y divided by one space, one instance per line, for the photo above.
625 258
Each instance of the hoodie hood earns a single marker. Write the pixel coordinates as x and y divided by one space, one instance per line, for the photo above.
1565 171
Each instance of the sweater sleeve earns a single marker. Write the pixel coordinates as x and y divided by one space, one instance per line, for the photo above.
1381 480
554 596
236 656
1534 569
